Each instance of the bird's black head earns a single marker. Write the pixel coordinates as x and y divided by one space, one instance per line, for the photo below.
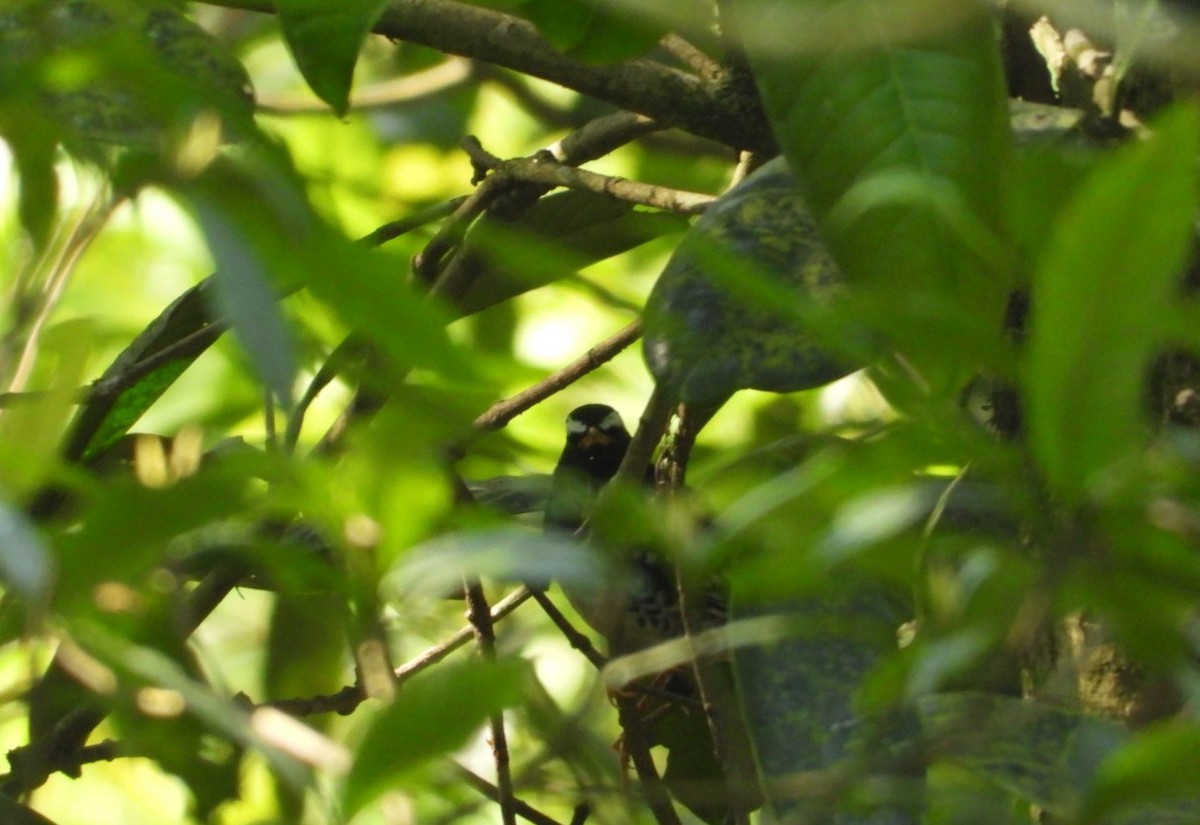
596 441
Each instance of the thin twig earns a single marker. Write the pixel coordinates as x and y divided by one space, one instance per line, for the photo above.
499 414
480 617
522 809
638 747
543 170
406 89
394 229
576 639
602 135
485 635
690 56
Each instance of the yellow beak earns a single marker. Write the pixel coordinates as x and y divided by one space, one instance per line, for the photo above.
594 436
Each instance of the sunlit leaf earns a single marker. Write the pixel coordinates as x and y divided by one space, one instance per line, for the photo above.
926 107
1101 304
507 554
432 715
325 39
246 300
115 403
1153 766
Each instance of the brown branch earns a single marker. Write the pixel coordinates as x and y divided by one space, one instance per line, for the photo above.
690 56
602 135
675 97
485 636
544 170
499 414
522 809
394 229
576 639
651 427
637 745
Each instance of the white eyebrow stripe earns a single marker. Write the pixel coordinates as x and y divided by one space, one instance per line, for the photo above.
612 421
575 426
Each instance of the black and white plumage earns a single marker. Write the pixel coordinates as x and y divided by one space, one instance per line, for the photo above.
596 443
639 607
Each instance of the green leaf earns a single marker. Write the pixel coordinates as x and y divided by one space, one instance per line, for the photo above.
123 530
562 22
33 153
223 716
901 142
115 402
364 288
325 39
1102 302
433 714
245 298
308 646
741 303
118 72
560 234
502 553
1156 766
596 31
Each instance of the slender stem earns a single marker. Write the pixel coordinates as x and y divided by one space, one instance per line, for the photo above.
485 635
499 414
638 747
522 809
576 639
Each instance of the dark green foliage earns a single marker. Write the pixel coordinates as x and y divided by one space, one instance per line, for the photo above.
736 305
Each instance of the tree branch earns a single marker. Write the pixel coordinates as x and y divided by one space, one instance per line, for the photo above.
701 106
544 170
499 414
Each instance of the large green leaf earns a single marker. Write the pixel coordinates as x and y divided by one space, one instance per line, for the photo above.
325 39
1152 768
736 306
127 388
245 297
432 715
1101 304
900 141
560 234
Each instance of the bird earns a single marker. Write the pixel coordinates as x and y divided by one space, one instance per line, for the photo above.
640 606
596 443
